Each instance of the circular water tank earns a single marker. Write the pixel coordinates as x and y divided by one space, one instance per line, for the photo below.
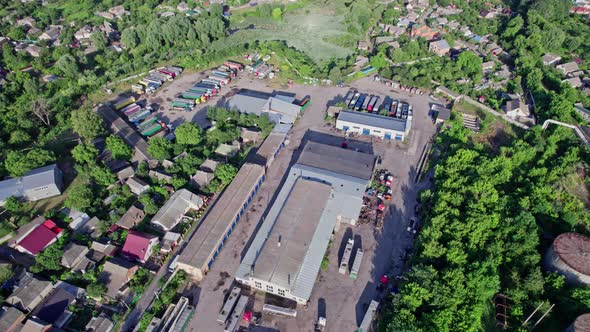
570 255
581 324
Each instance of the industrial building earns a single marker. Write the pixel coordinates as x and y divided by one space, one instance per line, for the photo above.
581 324
40 183
279 108
206 243
568 255
323 189
375 125
120 128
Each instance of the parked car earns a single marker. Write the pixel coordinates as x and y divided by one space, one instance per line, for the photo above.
413 226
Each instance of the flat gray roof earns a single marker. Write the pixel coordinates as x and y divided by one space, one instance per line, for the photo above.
293 229
122 129
373 120
213 227
338 160
247 104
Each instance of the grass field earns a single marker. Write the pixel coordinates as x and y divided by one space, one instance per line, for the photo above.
310 29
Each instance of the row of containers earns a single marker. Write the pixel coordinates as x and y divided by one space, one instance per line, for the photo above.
207 87
357 101
155 79
142 118
261 69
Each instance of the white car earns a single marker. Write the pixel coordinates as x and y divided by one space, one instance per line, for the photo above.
412 225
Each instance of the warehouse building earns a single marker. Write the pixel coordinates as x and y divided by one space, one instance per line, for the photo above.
375 125
40 183
272 145
206 243
120 128
323 189
279 108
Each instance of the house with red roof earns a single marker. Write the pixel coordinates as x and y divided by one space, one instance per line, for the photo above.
138 246
38 238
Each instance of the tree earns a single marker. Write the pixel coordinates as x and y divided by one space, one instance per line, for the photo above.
96 290
99 40
48 259
17 163
160 148
277 14
87 123
40 107
102 175
84 154
149 206
129 38
68 66
13 205
225 173
79 197
188 134
119 149
470 63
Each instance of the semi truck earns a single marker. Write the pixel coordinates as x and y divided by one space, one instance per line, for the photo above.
153 129
222 81
137 88
130 108
207 83
159 76
139 116
355 98
367 322
146 123
348 97
393 108
221 73
224 78
356 264
231 71
168 75
197 97
273 309
124 102
203 91
371 107
346 257
236 317
229 305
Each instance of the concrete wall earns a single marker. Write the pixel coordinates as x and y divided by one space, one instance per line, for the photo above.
554 263
262 285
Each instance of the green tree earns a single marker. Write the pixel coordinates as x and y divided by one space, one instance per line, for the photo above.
160 148
188 134
277 14
119 149
470 64
87 123
68 66
102 175
130 38
96 290
149 206
84 154
79 197
17 163
13 205
99 40
225 173
48 259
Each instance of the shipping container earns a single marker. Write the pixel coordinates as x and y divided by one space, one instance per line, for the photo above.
130 108
356 264
124 102
137 88
139 116
346 257
367 322
147 122
236 317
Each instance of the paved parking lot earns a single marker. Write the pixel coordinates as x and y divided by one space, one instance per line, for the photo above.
344 300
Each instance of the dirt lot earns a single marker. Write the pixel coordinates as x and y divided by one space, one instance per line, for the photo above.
343 300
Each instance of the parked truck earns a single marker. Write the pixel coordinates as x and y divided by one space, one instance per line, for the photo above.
197 97
209 83
355 98
203 91
229 305
146 122
372 104
359 102
348 97
366 103
236 317
139 116
222 81
346 257
124 102
221 73
137 88
393 108
130 108
153 129
236 65
356 264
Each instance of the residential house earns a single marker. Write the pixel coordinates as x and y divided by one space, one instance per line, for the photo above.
110 32
488 66
439 47
487 14
201 179
575 82
36 325
504 73
131 218
26 22
84 33
125 173
412 16
74 258
404 22
567 68
364 45
397 31
453 25
118 11
494 49
137 186
550 59
442 21
33 32
138 246
423 31
91 227
516 108
39 238
116 273
30 291
99 250
10 319
248 135
383 39
51 34
33 50
55 307
182 7
360 61
209 165
170 241
466 31
175 208
100 324
160 176
40 183
76 218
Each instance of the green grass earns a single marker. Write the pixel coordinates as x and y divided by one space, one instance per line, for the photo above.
319 32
